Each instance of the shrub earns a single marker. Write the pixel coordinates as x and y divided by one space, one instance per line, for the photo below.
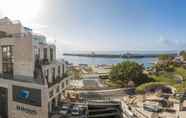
142 88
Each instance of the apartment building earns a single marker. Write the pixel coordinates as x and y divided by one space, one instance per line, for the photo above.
32 80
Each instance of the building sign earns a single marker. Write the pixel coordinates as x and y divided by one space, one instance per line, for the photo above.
26 95
26 110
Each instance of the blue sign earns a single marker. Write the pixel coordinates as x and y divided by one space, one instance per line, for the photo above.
27 95
23 94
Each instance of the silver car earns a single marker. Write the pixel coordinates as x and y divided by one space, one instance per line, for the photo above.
75 111
64 109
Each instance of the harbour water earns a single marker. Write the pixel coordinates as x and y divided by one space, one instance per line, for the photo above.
94 60
147 62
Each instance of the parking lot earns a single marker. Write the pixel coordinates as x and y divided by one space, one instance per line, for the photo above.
70 110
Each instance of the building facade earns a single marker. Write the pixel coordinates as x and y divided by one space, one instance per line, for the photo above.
32 80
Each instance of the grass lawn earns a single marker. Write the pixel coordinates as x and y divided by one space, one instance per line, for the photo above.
181 71
165 77
168 78
180 87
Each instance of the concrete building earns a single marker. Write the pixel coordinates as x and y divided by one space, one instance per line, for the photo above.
32 80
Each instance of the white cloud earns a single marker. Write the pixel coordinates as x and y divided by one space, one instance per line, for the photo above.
172 43
37 26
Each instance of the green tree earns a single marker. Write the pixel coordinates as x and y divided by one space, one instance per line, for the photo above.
183 54
128 71
165 63
165 57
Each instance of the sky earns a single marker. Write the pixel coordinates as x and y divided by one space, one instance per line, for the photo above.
104 25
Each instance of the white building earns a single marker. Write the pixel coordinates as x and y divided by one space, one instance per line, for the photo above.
32 81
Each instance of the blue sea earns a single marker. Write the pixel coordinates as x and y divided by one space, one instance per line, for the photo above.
148 62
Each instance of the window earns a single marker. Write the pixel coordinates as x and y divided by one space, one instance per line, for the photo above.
51 54
37 53
53 73
63 69
46 74
51 93
45 53
57 89
62 85
7 61
59 70
66 82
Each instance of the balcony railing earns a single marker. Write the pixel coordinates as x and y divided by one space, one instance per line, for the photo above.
6 76
45 61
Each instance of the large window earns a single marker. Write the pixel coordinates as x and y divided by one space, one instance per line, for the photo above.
45 53
47 74
51 54
37 52
63 69
3 102
53 73
57 89
7 61
63 85
67 83
59 70
51 93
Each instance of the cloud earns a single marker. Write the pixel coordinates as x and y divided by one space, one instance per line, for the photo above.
172 43
39 26
36 27
167 42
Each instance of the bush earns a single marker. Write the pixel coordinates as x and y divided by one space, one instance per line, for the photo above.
142 88
165 77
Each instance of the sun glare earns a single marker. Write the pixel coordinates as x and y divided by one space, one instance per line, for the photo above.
24 10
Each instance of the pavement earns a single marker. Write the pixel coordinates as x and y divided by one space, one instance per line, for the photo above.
87 83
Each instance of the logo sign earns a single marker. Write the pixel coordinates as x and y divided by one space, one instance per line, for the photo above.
23 94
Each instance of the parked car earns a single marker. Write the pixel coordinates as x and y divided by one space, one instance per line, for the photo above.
65 109
152 107
75 111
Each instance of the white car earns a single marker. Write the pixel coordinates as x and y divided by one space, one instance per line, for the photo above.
151 106
64 109
75 111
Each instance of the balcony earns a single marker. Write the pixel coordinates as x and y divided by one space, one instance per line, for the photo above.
7 76
4 35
